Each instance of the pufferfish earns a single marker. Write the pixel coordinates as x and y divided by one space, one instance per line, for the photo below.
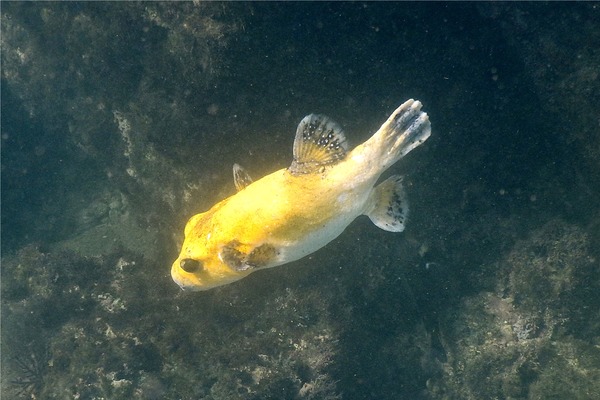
297 210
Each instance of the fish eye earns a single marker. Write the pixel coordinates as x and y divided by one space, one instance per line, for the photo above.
190 265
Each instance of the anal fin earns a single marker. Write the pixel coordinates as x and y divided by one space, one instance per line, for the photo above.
389 205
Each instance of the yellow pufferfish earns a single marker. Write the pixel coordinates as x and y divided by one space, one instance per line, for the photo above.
297 210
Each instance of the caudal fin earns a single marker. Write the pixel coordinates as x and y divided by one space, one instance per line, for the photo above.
389 207
404 130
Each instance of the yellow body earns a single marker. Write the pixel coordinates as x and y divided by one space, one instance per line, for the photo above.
285 215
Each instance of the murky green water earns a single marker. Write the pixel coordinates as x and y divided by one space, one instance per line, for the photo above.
120 121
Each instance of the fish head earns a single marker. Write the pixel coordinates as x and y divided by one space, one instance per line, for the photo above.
200 264
196 274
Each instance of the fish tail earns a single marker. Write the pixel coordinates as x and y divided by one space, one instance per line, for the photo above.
404 130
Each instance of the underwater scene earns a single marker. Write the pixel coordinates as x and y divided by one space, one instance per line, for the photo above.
123 120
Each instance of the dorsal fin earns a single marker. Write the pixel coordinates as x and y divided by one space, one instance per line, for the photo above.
241 179
319 142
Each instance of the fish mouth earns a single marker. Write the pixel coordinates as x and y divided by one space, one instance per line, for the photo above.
191 282
188 286
184 283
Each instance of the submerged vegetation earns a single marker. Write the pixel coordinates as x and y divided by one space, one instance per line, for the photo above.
30 372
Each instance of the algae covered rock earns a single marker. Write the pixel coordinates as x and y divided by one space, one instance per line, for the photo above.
100 330
534 335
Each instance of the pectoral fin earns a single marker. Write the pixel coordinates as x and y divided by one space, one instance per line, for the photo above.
261 256
233 255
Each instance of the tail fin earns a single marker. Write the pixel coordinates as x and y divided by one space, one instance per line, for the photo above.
404 130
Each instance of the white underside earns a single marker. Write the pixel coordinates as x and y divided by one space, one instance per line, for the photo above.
352 201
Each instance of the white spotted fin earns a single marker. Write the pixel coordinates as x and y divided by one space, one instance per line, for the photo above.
319 142
389 208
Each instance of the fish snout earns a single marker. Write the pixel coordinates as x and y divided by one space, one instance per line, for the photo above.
182 274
